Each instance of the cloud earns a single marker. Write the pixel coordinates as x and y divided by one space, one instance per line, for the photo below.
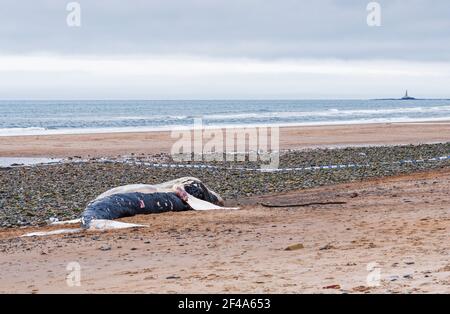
413 30
169 77
224 49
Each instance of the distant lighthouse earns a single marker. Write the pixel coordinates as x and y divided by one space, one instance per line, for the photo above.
406 97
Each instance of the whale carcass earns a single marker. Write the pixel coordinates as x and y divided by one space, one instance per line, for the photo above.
182 194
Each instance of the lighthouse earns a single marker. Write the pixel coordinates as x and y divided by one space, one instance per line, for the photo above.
406 97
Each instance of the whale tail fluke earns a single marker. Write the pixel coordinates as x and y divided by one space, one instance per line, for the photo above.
94 225
52 232
104 224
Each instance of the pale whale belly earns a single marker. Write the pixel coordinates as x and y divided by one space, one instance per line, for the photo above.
131 188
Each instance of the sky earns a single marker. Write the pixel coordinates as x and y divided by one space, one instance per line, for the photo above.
224 49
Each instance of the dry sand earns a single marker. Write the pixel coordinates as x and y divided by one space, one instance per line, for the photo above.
113 144
400 223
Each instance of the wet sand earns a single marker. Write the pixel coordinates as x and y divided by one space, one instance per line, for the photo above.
113 144
400 223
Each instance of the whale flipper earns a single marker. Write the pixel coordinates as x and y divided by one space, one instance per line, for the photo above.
198 204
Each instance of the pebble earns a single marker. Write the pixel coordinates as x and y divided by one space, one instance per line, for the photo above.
105 247
32 195
393 278
294 247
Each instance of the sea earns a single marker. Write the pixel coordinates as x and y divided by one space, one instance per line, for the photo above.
29 117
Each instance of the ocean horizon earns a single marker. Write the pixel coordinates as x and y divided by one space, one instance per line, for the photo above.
41 117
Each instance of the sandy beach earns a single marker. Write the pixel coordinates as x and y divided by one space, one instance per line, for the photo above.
113 144
220 147
390 218
398 225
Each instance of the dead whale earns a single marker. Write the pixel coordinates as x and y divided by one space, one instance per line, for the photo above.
182 194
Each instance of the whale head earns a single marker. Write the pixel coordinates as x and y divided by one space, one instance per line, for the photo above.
198 189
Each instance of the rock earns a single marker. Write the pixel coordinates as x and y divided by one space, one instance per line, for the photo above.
294 247
173 277
329 246
105 247
393 278
354 195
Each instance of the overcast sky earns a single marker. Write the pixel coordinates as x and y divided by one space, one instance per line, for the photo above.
171 49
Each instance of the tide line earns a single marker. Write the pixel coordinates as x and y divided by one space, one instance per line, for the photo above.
292 169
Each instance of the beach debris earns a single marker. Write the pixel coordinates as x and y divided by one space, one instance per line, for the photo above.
173 277
361 289
329 246
334 287
294 247
301 205
444 269
53 220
